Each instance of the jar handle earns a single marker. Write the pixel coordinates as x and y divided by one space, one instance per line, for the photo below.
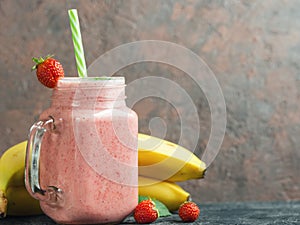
32 164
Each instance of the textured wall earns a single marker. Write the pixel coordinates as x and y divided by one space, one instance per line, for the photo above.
253 47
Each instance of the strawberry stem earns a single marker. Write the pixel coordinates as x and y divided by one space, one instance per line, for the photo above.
39 60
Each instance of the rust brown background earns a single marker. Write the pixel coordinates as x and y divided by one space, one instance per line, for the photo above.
253 47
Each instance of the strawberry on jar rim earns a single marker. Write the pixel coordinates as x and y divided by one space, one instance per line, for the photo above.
48 70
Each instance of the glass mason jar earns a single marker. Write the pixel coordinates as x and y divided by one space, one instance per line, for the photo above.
81 160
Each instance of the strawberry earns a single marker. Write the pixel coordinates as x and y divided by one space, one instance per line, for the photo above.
145 212
188 212
48 71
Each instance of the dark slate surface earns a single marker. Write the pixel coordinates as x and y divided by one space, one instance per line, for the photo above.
281 213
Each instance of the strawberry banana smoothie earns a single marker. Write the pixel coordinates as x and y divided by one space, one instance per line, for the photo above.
88 153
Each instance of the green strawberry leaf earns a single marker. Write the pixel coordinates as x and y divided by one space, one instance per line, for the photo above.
162 209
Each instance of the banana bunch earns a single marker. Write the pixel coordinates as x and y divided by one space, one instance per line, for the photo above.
14 198
169 193
161 164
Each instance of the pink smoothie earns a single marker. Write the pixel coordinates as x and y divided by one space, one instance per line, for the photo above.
91 154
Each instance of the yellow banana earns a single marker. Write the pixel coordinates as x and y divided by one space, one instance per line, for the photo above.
164 160
14 198
20 203
12 166
3 205
171 194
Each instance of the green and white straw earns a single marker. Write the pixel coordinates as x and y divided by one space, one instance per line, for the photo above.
77 42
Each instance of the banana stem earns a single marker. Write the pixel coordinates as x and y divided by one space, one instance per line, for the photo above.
3 205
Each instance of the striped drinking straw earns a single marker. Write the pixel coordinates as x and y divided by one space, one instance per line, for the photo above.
77 42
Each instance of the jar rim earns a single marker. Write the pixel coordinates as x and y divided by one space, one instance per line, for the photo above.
91 79
112 80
